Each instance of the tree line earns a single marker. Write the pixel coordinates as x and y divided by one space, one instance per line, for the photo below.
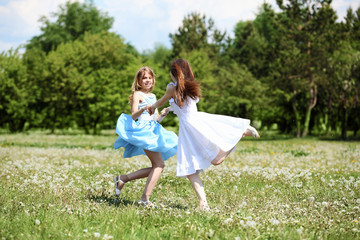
296 70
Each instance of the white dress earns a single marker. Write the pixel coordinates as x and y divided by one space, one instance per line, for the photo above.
202 136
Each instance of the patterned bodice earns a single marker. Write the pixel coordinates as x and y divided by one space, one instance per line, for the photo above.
148 100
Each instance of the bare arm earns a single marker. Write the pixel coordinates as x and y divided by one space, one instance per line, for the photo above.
170 90
135 112
163 114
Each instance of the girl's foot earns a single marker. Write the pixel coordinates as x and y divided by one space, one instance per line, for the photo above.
203 207
252 132
146 203
119 184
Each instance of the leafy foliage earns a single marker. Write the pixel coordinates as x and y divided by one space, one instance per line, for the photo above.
296 70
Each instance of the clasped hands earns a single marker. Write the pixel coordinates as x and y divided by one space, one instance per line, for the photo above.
151 110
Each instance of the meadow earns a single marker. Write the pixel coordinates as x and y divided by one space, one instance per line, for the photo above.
61 187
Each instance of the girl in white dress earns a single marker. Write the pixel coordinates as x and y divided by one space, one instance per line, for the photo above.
203 138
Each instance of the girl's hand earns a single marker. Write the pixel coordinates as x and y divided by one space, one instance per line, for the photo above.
152 109
164 112
148 109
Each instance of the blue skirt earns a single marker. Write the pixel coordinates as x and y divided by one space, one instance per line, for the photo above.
135 136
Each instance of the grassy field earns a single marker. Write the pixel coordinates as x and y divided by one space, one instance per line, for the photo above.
60 187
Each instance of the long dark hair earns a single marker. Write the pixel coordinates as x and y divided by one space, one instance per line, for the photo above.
186 84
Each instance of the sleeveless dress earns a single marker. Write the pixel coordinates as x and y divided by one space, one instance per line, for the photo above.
202 136
145 133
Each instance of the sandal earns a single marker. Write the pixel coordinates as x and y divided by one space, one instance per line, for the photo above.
117 191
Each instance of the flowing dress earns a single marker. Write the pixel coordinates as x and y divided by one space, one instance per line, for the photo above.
145 133
202 136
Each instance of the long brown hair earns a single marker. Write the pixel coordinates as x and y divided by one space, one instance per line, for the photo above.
136 86
186 84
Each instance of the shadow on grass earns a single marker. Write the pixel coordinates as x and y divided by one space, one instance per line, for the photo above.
112 200
119 202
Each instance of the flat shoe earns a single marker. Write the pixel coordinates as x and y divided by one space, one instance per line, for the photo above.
117 191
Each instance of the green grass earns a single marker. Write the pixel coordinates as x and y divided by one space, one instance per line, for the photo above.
60 187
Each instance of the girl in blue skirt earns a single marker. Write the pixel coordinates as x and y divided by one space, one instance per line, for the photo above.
141 134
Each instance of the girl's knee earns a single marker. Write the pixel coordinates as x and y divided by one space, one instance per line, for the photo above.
160 165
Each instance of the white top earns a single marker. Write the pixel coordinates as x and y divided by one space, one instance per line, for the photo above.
202 136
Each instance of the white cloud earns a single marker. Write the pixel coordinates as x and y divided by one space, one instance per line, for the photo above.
341 6
20 20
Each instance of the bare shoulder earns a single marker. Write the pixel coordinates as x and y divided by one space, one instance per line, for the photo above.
170 88
137 95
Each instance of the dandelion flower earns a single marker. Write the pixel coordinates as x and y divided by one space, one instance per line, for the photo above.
228 220
37 222
275 221
251 224
107 237
211 233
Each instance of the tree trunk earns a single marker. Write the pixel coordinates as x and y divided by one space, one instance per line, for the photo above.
329 113
312 92
344 117
297 115
96 121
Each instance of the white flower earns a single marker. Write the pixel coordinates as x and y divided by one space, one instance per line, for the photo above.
211 233
299 231
96 234
251 224
243 204
275 221
37 222
85 230
107 237
228 220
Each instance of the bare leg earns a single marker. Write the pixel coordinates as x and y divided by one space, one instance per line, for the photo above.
154 175
199 190
221 157
142 173
250 131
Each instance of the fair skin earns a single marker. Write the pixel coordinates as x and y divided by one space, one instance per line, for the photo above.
170 92
198 187
157 164
195 180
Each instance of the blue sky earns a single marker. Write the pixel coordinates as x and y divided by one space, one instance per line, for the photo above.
143 23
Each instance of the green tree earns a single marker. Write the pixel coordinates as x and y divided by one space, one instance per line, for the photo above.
197 32
14 97
73 20
85 80
348 72
300 65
